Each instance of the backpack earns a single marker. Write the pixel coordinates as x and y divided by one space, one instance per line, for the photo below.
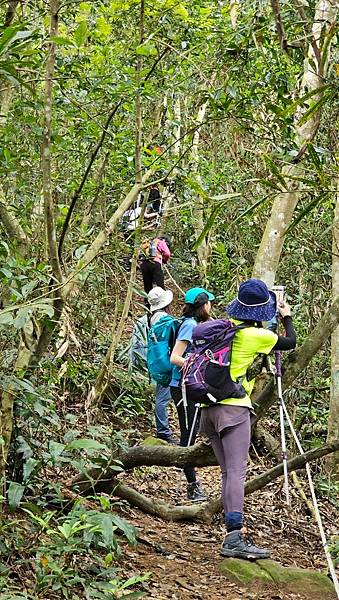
160 343
206 372
148 249
137 351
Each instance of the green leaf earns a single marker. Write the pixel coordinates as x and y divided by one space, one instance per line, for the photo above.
85 444
305 212
315 107
61 40
210 221
6 318
29 467
80 251
107 530
146 49
15 493
45 308
103 28
12 35
81 34
21 318
274 169
6 272
55 450
126 528
7 154
28 287
291 108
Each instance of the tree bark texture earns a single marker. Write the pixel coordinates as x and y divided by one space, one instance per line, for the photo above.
284 204
333 417
298 360
26 348
198 210
46 147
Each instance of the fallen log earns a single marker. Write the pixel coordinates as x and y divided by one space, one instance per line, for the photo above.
156 455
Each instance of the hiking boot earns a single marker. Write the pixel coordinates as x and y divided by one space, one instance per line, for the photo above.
195 493
237 545
169 439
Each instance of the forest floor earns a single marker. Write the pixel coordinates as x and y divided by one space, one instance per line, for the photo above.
183 557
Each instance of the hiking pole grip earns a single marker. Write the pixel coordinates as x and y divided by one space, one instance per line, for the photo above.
278 363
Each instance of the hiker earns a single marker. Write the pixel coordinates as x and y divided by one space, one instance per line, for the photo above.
159 302
133 218
197 309
154 199
137 349
157 253
227 424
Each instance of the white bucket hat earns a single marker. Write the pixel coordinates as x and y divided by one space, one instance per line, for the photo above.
159 298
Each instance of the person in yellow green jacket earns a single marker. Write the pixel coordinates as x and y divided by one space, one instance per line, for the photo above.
227 425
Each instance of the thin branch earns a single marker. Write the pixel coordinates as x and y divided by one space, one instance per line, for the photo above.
10 14
78 191
279 25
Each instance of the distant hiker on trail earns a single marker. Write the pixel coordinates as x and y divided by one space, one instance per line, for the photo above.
153 254
133 216
227 423
159 301
154 199
196 310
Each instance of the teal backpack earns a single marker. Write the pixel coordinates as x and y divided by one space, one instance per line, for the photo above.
160 343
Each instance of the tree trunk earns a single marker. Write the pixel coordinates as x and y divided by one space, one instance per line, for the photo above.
46 147
26 348
297 361
198 211
168 194
333 417
267 259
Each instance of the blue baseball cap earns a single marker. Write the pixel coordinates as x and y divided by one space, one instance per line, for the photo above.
198 296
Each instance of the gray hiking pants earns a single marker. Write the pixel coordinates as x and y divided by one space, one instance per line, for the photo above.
229 431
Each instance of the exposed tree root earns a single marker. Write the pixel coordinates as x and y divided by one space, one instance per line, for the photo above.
200 455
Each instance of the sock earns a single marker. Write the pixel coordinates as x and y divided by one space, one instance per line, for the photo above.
234 521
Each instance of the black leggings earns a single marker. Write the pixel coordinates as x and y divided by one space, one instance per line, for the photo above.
185 431
152 272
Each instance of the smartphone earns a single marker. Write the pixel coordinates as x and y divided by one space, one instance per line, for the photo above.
279 291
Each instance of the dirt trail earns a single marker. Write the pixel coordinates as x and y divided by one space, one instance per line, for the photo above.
184 557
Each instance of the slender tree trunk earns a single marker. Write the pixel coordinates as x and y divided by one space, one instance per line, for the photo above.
97 392
98 181
46 147
138 101
297 361
267 259
11 224
234 9
198 211
26 348
333 417
10 13
168 194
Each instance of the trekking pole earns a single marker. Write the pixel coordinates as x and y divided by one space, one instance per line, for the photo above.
278 377
197 406
315 503
184 402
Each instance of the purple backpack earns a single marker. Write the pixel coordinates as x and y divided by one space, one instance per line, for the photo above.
206 372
